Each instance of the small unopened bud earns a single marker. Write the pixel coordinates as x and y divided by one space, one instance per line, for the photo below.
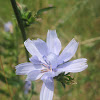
27 87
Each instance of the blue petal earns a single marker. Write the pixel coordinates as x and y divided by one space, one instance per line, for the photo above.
68 52
34 75
53 43
41 46
48 82
32 49
52 59
46 93
74 66
35 60
49 74
25 68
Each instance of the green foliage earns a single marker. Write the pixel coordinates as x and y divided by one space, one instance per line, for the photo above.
39 12
4 92
27 16
65 79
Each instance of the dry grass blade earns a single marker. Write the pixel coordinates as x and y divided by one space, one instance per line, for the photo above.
5 78
90 40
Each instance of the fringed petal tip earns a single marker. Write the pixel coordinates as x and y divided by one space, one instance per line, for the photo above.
50 31
25 68
53 42
74 66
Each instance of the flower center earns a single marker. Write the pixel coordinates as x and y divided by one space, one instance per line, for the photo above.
48 68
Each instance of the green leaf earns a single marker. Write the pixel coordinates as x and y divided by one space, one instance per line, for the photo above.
39 12
64 79
31 20
28 14
63 84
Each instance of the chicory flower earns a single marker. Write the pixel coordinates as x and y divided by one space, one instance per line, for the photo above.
46 62
8 27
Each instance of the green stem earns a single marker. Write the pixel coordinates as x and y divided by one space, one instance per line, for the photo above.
32 91
16 40
20 23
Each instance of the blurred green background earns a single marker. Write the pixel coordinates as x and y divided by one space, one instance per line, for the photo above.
79 19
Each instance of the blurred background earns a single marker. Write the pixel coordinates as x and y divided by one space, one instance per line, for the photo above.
79 19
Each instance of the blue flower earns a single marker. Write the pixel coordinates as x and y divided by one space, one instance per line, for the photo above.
8 27
46 62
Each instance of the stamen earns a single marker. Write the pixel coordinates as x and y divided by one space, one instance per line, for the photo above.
44 70
48 68
45 65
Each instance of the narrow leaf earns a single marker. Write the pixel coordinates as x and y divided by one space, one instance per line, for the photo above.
39 12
